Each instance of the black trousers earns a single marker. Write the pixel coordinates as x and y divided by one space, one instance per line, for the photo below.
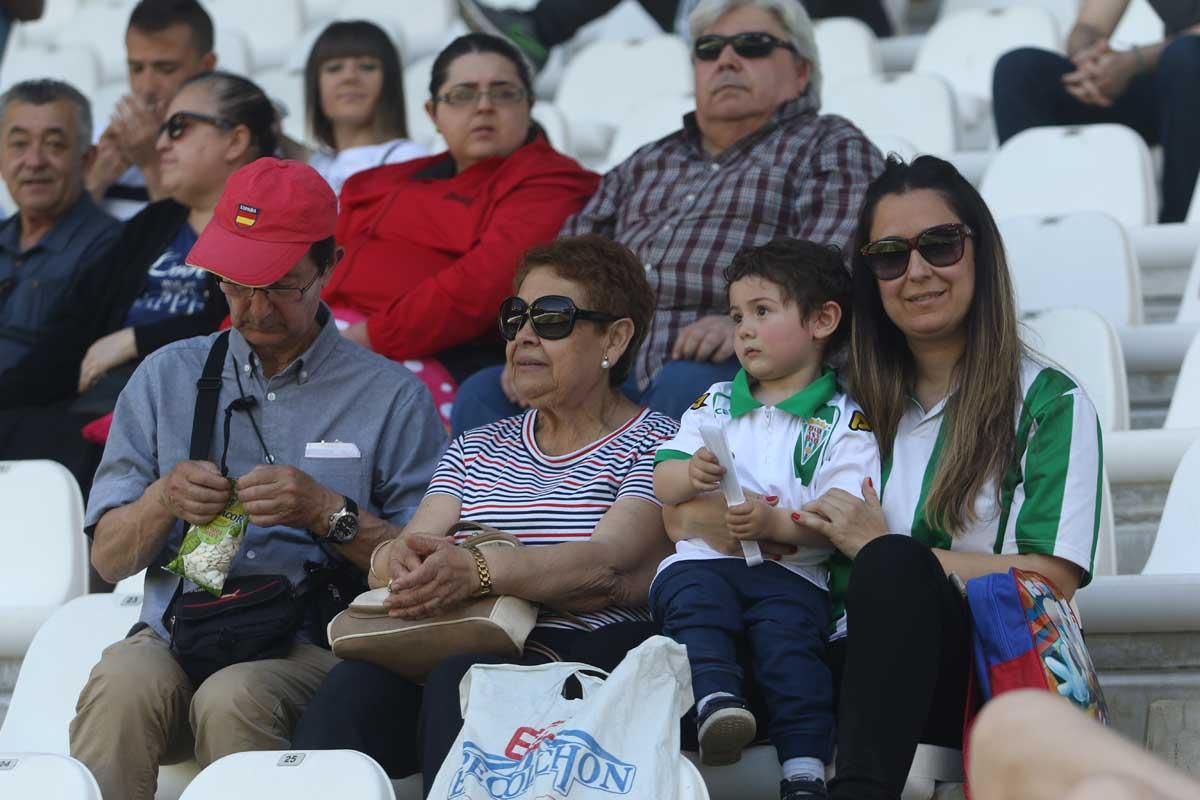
902 670
409 728
556 21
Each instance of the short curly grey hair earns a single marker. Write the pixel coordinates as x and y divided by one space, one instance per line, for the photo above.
791 16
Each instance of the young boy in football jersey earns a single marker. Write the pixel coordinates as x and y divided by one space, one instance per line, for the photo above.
794 436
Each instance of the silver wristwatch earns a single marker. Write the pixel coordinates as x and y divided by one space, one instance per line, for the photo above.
343 523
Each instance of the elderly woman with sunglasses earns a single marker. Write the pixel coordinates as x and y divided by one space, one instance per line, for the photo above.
432 244
572 476
991 460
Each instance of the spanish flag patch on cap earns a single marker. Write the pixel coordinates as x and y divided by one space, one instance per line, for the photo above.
246 215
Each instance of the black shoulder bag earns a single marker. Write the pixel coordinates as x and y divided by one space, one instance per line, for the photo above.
256 616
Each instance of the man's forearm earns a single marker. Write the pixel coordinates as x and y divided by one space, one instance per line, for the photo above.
128 538
372 532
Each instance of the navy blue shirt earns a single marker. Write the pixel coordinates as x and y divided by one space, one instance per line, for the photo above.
173 289
34 283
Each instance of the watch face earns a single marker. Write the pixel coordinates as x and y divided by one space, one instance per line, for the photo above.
344 528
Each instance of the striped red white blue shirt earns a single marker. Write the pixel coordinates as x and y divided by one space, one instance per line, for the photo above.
503 479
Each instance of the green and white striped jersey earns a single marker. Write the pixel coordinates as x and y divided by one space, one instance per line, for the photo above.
1049 498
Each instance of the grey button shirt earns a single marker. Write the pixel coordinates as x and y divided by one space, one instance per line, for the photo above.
34 283
336 391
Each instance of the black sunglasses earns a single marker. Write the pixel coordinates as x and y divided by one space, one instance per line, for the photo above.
940 246
552 316
177 124
751 44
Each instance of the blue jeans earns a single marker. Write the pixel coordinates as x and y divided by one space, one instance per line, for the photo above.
721 608
1161 105
480 400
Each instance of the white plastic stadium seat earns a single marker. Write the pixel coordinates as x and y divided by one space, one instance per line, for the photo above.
554 124
1057 170
1189 308
298 775
847 49
78 65
234 53
286 90
891 144
44 30
1087 251
416 92
41 528
1087 347
963 48
271 28
54 671
919 108
101 27
1177 547
31 775
650 121
1184 411
1064 11
418 34
650 68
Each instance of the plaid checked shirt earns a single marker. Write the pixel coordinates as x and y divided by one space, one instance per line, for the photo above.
685 213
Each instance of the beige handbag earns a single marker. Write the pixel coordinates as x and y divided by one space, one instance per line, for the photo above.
495 625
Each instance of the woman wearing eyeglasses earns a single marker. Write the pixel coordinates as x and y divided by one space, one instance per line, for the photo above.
142 295
354 94
432 244
572 477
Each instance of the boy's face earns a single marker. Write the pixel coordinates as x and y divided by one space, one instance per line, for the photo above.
771 338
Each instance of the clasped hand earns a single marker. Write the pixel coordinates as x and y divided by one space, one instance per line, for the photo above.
430 575
196 492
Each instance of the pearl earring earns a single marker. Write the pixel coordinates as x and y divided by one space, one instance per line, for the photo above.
605 363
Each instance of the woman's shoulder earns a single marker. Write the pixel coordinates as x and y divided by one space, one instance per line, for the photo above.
539 158
501 434
1043 383
651 427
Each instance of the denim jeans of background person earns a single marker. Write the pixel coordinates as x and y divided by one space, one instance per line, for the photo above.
1150 88
747 166
305 505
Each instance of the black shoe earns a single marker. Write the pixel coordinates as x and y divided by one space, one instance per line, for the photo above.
724 729
515 26
803 789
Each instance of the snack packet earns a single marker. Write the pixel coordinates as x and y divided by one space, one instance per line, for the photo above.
207 552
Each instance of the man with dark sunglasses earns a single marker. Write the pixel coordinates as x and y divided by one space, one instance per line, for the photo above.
755 161
552 22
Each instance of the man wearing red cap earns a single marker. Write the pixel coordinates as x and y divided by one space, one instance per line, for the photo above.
328 446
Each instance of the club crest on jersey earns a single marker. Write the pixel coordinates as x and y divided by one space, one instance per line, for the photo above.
858 422
570 758
700 401
816 433
246 215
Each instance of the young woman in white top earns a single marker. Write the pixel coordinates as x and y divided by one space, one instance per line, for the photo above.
354 94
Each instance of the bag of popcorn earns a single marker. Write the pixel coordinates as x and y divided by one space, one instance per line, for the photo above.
207 552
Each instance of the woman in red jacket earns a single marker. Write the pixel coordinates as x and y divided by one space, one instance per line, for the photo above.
431 245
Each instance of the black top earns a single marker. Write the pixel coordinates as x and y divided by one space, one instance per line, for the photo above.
1177 15
97 306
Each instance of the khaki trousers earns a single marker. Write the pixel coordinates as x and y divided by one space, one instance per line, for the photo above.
138 711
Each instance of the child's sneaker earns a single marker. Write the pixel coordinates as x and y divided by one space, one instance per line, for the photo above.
725 727
803 789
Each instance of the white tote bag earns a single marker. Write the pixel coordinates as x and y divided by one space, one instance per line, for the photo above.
522 739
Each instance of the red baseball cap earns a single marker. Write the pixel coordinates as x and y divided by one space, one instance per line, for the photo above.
271 212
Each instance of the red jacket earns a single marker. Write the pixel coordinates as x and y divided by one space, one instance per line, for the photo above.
428 261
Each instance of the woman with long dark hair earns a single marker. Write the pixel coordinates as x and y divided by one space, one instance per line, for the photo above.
354 98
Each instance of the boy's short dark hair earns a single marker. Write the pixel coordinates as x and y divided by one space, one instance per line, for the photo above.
155 16
808 274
